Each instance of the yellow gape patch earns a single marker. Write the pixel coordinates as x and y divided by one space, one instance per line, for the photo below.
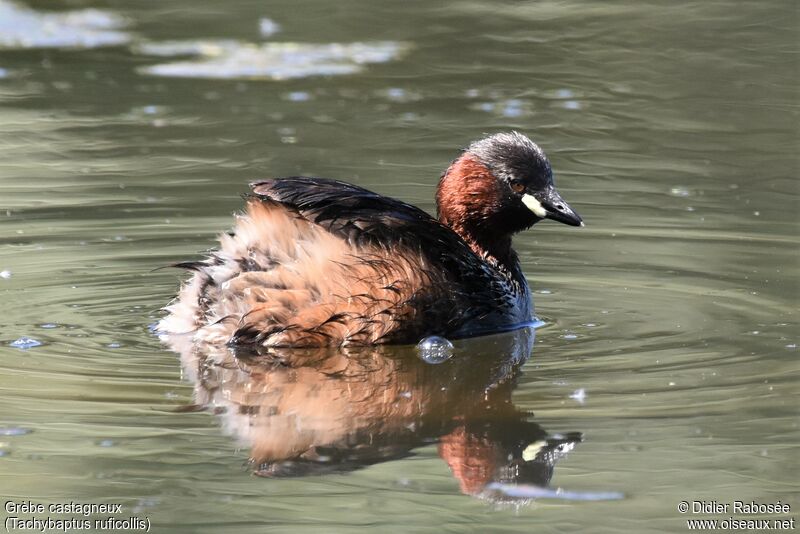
533 449
534 205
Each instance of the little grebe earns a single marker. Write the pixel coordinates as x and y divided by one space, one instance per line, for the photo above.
318 262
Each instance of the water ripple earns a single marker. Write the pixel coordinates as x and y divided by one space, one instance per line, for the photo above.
21 27
230 59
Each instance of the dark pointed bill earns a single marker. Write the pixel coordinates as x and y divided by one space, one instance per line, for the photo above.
548 204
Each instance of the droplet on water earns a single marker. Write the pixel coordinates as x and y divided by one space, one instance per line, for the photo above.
14 431
579 395
25 343
268 27
679 191
435 349
396 93
298 96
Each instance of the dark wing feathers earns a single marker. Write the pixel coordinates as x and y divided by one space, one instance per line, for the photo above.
357 214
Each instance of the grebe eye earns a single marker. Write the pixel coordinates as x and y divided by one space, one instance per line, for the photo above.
518 187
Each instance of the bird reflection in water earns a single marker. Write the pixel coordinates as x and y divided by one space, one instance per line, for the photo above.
316 411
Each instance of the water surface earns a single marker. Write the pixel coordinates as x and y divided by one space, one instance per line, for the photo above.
667 368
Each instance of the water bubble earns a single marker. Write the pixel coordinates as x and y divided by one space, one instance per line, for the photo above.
298 96
579 395
267 27
435 349
679 191
25 343
396 93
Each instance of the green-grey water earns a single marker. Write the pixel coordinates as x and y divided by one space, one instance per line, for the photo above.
667 366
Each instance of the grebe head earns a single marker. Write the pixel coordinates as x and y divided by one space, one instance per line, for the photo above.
500 185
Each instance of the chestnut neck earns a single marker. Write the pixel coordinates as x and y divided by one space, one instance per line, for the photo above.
469 200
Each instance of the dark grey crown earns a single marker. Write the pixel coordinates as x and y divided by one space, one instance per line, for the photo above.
513 156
